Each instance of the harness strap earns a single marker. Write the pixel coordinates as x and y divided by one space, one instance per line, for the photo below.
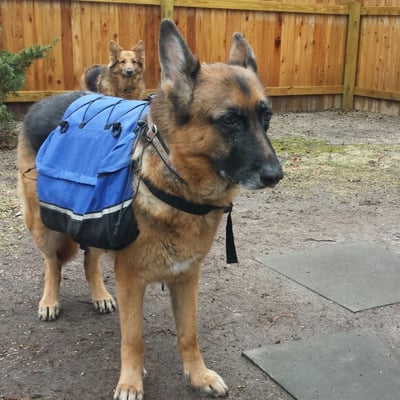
231 256
155 139
180 203
198 209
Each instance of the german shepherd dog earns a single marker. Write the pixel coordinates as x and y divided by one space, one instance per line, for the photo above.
212 119
122 77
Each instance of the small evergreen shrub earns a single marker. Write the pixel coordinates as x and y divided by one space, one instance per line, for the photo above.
12 76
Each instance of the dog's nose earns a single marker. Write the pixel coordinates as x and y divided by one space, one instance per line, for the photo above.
129 72
270 175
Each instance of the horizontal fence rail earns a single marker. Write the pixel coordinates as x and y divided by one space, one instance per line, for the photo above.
330 54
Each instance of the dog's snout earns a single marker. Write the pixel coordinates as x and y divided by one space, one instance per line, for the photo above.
270 175
129 72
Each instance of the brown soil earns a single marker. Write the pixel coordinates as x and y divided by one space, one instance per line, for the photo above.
343 189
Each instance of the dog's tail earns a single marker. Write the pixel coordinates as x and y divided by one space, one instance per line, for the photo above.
89 78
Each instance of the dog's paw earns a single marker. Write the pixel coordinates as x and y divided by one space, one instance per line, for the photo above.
49 313
126 392
104 306
208 383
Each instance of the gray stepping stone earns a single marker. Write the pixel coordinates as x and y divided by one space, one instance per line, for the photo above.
357 276
341 366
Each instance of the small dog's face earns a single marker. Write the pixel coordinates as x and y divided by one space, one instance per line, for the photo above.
128 63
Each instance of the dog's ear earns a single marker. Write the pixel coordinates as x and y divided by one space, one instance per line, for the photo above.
114 52
139 50
241 53
179 67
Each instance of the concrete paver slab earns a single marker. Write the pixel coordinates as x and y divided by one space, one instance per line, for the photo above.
357 276
355 365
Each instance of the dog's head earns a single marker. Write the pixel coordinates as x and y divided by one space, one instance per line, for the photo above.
127 62
215 117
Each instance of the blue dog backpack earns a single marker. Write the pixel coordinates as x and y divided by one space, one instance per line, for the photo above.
85 172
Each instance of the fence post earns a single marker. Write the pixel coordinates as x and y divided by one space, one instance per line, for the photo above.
167 9
351 56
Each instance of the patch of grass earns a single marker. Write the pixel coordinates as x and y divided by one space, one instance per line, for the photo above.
305 145
308 160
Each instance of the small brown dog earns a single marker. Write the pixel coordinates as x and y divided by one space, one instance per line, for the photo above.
122 77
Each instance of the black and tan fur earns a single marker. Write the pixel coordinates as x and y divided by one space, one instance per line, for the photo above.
213 118
122 77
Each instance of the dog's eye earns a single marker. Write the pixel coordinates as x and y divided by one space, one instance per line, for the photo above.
233 116
230 119
266 117
122 61
134 61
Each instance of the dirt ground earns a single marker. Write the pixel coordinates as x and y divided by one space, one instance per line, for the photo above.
344 189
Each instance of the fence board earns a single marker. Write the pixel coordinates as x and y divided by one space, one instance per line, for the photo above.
306 6
67 47
380 55
353 38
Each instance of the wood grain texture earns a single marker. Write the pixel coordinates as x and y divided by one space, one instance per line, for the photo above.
302 47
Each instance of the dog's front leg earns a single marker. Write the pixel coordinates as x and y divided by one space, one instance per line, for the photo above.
184 303
130 291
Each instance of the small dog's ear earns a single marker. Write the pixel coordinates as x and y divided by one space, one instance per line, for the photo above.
114 52
139 50
179 67
241 53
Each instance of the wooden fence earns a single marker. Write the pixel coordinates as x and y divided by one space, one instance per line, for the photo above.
312 54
